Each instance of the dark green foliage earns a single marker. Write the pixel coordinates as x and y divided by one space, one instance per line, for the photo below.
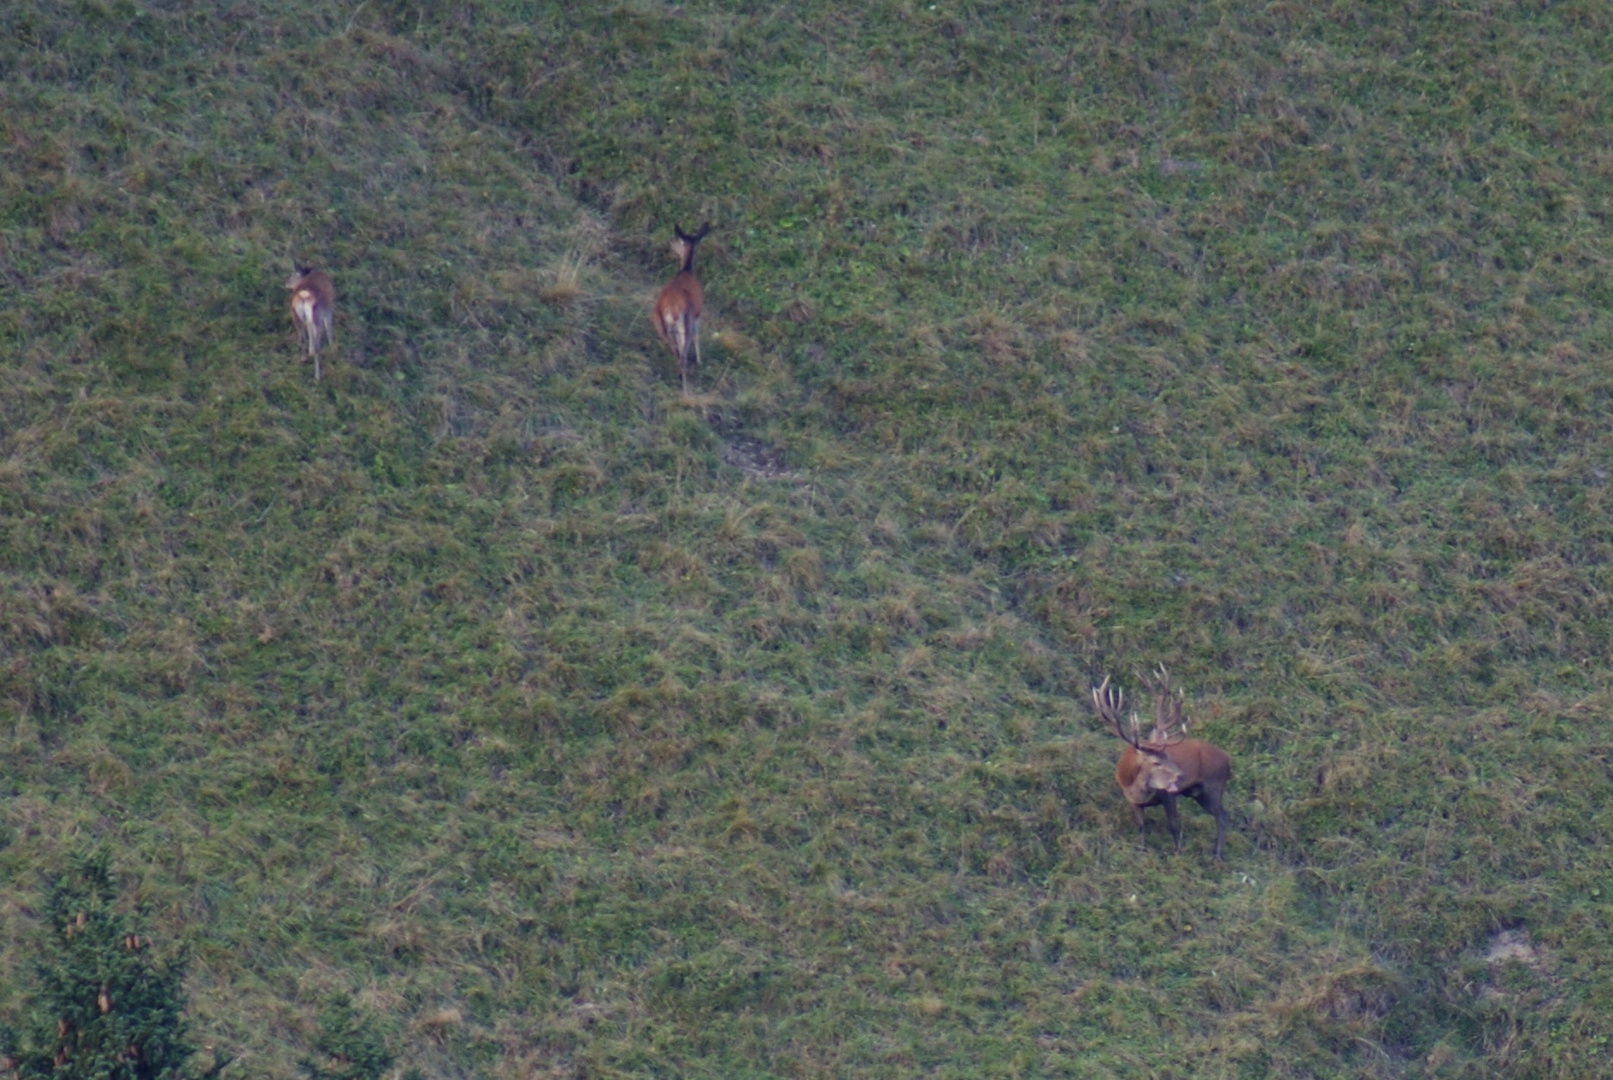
349 1044
102 1009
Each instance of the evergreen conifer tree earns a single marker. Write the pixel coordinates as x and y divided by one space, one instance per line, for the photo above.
103 1010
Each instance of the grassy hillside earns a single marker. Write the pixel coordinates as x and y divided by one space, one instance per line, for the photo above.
577 728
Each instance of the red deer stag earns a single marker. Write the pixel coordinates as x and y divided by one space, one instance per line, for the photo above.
313 310
677 309
1155 771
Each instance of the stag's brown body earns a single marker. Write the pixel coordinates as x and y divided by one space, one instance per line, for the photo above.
1168 765
1202 772
677 309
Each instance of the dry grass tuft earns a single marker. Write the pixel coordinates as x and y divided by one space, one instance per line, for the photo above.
562 281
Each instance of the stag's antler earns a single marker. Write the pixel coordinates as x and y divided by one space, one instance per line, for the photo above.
1110 702
1168 724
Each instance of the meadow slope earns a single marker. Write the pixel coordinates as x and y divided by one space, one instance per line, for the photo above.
576 727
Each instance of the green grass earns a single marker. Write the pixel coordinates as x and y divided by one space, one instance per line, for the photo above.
578 729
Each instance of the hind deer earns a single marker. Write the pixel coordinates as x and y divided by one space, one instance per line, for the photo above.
313 310
677 309
1154 771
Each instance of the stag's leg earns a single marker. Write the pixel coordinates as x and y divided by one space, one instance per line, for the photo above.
327 335
694 333
1142 832
1172 820
1211 801
691 340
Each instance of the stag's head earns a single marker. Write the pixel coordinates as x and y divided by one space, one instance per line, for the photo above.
1162 774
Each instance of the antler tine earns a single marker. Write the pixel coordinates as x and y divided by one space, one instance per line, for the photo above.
1161 682
1157 681
1110 703
1162 693
1106 700
1168 726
